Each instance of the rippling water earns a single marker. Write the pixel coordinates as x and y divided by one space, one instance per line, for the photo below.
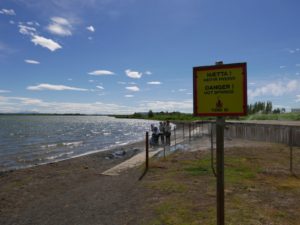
31 140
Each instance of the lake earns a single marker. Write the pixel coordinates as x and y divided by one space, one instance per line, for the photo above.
27 140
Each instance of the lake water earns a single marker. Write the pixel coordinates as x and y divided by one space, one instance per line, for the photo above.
32 140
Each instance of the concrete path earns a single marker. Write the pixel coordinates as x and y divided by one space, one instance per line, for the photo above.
136 160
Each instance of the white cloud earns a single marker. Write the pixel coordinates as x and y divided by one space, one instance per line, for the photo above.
59 30
60 26
90 38
182 106
21 104
30 61
275 89
4 91
90 28
154 82
182 89
292 51
99 87
91 81
121 82
61 21
128 96
282 67
133 74
51 87
9 12
148 72
133 88
12 22
26 30
70 79
101 73
46 43
36 39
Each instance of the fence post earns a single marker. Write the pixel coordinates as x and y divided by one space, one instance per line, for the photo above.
175 136
147 155
220 169
183 131
189 131
291 148
147 150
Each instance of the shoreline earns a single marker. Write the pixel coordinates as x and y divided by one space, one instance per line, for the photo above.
63 192
106 156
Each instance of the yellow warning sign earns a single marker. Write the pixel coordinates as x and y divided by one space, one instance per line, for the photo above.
220 90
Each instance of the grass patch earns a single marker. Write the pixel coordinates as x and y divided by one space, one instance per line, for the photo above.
238 170
181 212
167 186
258 188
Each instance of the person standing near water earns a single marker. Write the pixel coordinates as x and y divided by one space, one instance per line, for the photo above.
162 132
168 132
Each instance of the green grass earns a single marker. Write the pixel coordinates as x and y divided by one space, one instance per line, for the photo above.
281 116
185 188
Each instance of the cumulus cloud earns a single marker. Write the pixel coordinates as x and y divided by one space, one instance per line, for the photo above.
128 96
26 30
282 67
51 87
60 26
183 106
9 12
133 74
37 39
99 87
33 23
182 89
90 28
275 89
133 88
154 82
148 72
292 51
45 42
30 61
101 72
19 104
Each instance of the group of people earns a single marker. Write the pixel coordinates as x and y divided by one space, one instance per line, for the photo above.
163 132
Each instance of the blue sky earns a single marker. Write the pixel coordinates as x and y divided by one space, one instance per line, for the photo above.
124 56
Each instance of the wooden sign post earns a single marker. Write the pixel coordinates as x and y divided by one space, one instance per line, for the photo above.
220 90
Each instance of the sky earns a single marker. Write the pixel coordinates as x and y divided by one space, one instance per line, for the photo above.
125 56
